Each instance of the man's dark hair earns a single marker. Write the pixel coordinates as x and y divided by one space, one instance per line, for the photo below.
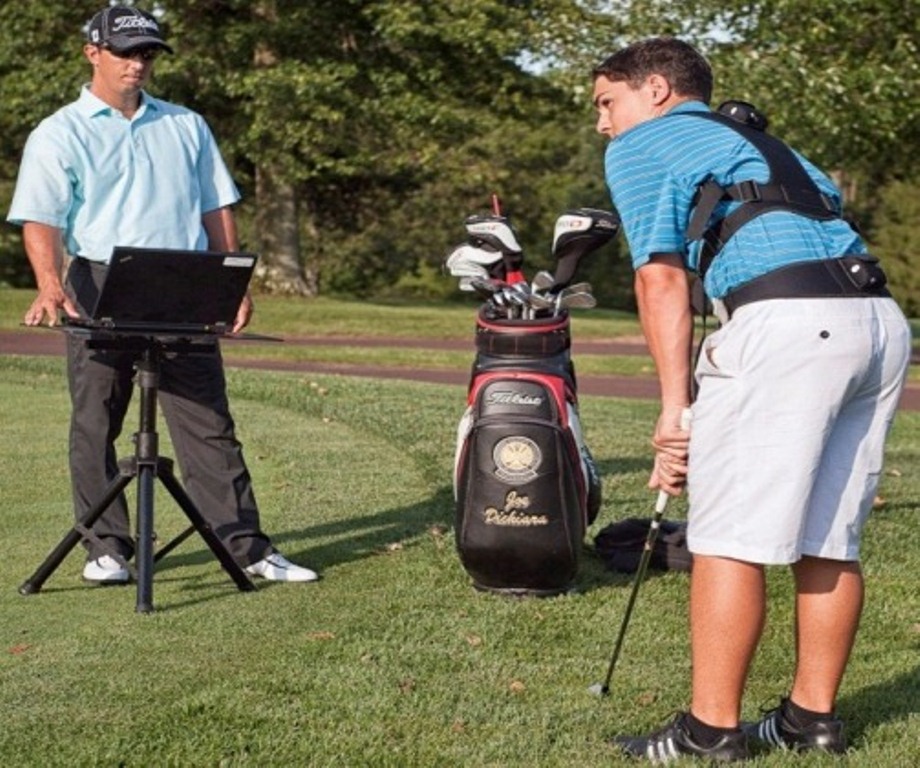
678 62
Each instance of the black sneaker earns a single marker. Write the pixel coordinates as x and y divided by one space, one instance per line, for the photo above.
777 730
674 741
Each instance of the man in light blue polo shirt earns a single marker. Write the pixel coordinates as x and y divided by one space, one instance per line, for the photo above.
796 390
119 167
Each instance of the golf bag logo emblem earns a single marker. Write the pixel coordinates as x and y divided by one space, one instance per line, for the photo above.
517 459
510 397
513 512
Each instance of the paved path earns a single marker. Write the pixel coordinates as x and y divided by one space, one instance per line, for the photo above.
41 341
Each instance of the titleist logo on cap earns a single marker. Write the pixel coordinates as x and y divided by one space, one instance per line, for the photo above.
134 22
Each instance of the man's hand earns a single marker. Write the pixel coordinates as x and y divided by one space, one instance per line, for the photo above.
243 314
48 303
46 255
222 236
671 442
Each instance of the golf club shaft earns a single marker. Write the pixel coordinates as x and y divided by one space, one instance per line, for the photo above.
660 506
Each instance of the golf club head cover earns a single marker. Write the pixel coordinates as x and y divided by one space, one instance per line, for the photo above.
467 261
496 233
577 233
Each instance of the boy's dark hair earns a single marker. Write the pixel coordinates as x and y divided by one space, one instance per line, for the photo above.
678 62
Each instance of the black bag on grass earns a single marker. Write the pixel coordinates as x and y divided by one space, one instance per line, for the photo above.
525 485
620 545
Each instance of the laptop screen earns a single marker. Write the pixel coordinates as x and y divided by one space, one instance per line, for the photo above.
173 287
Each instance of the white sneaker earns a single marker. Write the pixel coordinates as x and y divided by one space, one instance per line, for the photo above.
105 570
276 567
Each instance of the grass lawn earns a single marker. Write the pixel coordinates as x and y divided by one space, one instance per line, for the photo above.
392 659
455 321
334 317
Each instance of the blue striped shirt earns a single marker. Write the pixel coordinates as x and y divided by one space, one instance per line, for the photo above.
653 171
105 180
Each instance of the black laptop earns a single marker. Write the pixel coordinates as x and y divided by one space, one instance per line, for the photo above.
169 291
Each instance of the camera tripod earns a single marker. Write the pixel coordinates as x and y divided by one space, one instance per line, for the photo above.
146 466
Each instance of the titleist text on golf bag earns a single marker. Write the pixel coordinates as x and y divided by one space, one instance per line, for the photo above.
525 484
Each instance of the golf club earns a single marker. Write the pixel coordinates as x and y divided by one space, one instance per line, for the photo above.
489 285
541 301
465 255
577 295
542 281
603 689
469 271
501 302
577 233
485 287
574 299
494 232
519 295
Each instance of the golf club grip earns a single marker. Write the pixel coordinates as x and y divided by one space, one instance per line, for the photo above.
661 503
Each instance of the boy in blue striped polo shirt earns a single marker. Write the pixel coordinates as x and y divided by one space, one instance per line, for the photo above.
795 392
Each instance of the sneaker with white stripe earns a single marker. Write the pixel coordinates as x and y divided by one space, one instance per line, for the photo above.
777 729
674 741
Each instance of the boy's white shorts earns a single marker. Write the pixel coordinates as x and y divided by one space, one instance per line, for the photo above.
796 397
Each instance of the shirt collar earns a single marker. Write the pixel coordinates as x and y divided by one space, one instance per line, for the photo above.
91 105
682 107
687 106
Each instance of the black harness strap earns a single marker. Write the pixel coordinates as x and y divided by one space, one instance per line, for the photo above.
790 188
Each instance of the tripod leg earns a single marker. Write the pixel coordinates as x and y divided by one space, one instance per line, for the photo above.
163 551
34 583
230 565
143 555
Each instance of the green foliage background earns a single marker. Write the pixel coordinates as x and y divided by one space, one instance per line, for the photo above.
393 121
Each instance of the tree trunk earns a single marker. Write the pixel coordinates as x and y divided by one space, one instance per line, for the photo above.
846 183
276 219
312 263
279 270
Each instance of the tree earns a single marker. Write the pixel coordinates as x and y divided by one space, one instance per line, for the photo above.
41 68
362 132
897 242
839 79
352 109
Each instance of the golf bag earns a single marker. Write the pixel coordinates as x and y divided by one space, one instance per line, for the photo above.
525 484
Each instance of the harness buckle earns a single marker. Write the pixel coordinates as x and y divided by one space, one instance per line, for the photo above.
748 191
